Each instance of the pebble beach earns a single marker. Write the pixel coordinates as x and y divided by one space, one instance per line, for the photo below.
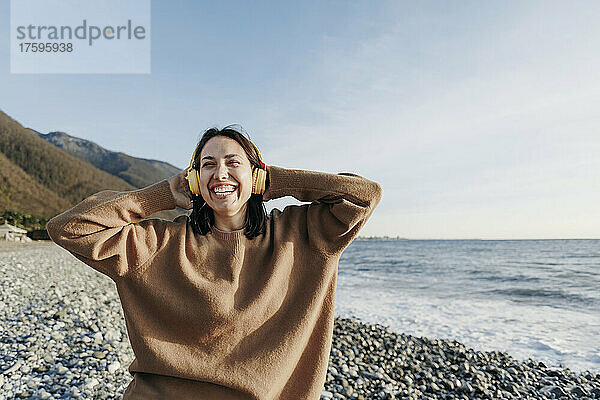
63 336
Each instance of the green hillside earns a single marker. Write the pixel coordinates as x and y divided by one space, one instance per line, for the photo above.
40 179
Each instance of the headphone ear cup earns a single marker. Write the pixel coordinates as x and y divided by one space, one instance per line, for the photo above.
194 181
254 177
259 176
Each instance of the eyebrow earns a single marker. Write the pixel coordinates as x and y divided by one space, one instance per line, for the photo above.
227 156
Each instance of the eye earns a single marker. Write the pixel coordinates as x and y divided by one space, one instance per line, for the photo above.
231 162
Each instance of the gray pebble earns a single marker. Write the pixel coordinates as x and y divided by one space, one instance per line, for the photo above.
367 362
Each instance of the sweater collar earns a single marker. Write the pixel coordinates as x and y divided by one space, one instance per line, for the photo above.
231 236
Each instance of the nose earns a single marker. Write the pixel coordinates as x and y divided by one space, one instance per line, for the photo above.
221 172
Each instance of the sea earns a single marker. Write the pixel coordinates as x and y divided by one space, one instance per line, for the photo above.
536 299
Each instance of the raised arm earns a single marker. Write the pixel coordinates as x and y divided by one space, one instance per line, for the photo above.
341 203
105 231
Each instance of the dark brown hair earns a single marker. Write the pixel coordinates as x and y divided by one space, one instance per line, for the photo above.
202 218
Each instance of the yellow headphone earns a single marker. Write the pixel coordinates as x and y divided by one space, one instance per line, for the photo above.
259 175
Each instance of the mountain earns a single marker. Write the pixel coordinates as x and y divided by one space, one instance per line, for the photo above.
138 172
39 178
21 191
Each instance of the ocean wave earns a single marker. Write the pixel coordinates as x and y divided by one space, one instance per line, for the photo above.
556 295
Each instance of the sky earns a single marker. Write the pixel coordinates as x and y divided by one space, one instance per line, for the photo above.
480 120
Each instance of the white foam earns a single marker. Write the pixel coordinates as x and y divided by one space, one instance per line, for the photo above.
551 335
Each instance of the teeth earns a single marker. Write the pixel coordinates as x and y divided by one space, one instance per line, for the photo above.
224 189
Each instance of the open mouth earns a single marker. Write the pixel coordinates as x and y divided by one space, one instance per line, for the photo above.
223 192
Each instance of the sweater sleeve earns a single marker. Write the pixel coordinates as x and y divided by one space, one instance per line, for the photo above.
106 232
340 203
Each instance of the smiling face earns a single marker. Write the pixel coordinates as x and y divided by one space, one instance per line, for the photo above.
224 165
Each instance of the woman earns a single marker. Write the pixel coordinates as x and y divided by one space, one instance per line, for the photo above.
228 303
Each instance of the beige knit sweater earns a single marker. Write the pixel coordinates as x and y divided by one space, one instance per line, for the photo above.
219 316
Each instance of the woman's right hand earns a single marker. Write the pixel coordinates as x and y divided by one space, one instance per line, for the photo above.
181 190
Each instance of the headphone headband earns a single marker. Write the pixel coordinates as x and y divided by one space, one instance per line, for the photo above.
260 160
193 158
